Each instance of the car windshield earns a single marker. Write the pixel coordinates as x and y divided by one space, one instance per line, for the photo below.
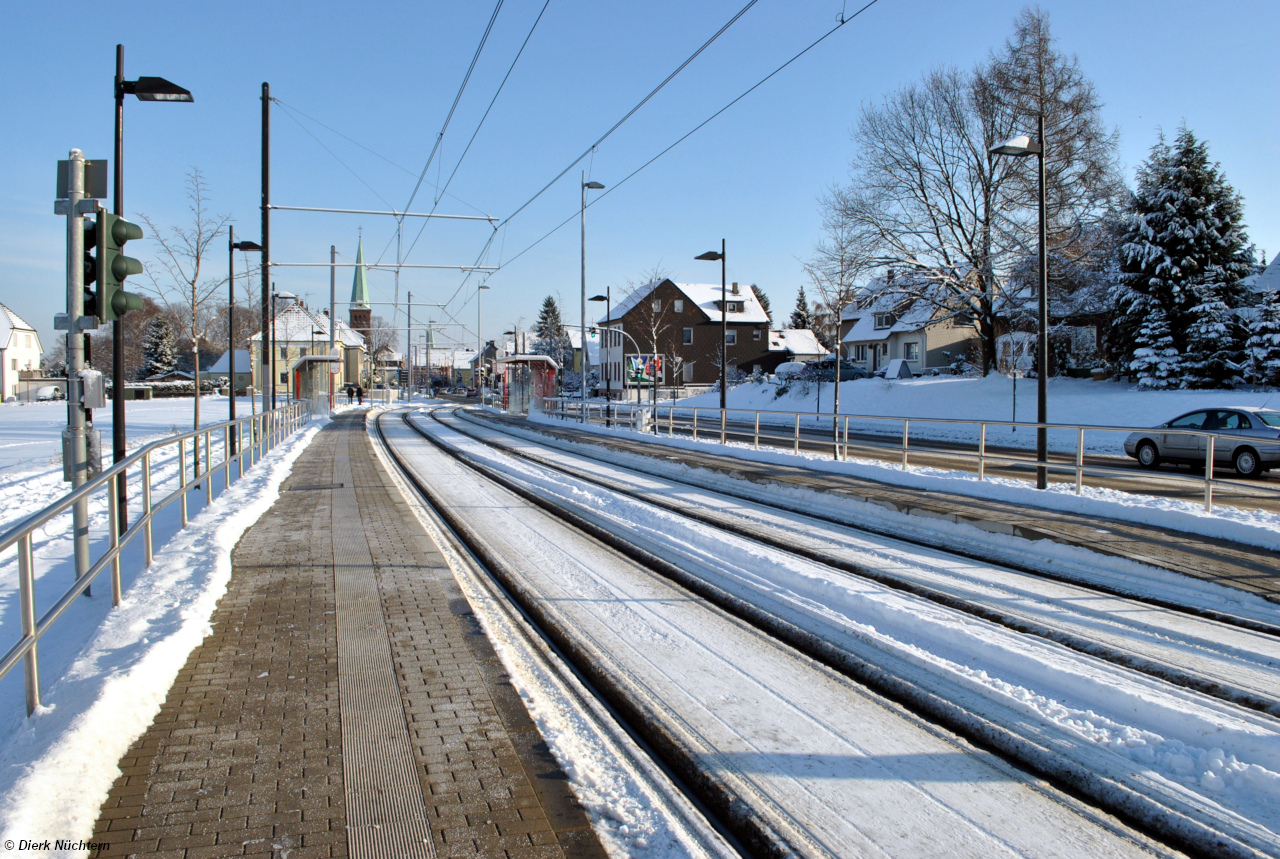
1271 419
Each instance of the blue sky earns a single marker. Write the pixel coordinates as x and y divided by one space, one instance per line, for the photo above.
385 75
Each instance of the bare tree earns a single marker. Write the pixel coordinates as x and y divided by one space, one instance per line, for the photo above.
833 271
928 200
177 275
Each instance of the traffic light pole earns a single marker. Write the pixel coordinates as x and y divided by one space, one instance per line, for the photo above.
75 450
118 443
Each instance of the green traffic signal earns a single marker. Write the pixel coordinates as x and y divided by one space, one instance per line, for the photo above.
113 266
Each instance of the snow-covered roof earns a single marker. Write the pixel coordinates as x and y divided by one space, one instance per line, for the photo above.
296 324
10 322
1267 281
864 330
705 295
796 341
223 365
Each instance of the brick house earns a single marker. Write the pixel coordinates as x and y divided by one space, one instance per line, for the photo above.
681 323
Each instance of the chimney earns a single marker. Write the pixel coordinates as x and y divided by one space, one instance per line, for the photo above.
890 277
734 289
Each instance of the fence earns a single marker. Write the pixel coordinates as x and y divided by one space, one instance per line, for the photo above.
744 423
253 437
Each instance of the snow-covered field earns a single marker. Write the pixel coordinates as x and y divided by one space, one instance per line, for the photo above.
1071 401
105 673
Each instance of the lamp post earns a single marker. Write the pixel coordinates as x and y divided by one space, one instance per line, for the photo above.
724 336
144 89
1020 147
607 298
232 247
582 319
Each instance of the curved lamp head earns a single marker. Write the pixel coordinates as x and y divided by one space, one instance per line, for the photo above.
1016 147
157 89
710 255
598 298
594 186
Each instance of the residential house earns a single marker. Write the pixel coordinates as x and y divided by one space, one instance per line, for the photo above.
593 349
888 325
300 336
244 370
19 351
683 322
792 344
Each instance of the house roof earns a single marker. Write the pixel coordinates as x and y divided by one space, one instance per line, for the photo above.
1268 280
360 283
295 324
223 365
704 295
10 322
796 341
864 330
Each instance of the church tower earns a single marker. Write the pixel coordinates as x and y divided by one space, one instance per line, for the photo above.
360 309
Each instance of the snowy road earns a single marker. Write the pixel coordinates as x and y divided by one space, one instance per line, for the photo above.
808 760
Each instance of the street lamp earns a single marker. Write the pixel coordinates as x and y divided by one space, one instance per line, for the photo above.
144 89
724 336
274 295
479 371
604 353
232 247
582 319
1020 147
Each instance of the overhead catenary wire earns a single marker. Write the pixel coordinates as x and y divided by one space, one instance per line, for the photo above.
616 185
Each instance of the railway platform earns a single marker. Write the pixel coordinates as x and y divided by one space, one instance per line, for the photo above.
346 703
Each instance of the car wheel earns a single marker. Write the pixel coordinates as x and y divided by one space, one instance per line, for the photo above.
1246 462
1148 456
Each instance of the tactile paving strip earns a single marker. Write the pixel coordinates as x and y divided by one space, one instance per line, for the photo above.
386 816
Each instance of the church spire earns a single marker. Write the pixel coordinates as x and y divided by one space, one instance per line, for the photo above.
360 285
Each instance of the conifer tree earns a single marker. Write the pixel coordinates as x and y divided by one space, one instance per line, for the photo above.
1183 233
764 302
1210 344
1262 351
552 339
157 347
802 316
1155 360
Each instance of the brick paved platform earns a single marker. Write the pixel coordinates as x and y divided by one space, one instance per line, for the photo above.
1247 568
246 755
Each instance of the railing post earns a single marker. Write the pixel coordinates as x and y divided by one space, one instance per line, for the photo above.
208 469
755 439
671 421
845 458
1080 461
906 430
182 478
27 606
695 424
113 522
982 451
226 457
146 502
1208 474
724 419
796 447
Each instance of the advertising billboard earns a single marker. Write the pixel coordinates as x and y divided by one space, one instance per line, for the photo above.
643 370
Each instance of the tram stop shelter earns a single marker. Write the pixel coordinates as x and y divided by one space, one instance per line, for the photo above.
526 381
312 377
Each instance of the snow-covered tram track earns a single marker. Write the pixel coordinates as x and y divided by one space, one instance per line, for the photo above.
1200 771
798 758
1178 645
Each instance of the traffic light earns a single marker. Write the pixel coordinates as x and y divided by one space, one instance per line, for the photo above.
90 267
111 233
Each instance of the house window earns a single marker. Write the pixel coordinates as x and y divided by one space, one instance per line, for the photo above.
731 338
735 306
657 305
885 320
302 353
284 378
284 352
688 372
755 335
688 336
678 305
911 351
13 363
28 341
859 353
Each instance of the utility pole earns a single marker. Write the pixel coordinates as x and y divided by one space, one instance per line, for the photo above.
267 316
74 439
408 339
333 319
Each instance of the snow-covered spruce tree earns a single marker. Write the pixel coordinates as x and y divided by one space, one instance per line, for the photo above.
1183 232
158 347
1155 360
802 316
1262 351
1210 344
551 339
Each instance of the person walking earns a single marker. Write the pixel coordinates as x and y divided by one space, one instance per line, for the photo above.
351 392
359 395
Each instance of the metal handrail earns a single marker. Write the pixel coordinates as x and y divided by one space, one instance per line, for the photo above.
689 420
265 431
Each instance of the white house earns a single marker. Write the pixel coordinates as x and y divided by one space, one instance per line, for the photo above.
888 325
299 334
19 350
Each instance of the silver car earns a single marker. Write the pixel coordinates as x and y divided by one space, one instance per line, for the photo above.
1252 448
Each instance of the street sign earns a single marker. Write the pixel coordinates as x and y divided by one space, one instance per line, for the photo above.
95 180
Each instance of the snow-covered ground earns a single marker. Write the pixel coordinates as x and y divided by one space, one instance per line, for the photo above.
1071 401
105 673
